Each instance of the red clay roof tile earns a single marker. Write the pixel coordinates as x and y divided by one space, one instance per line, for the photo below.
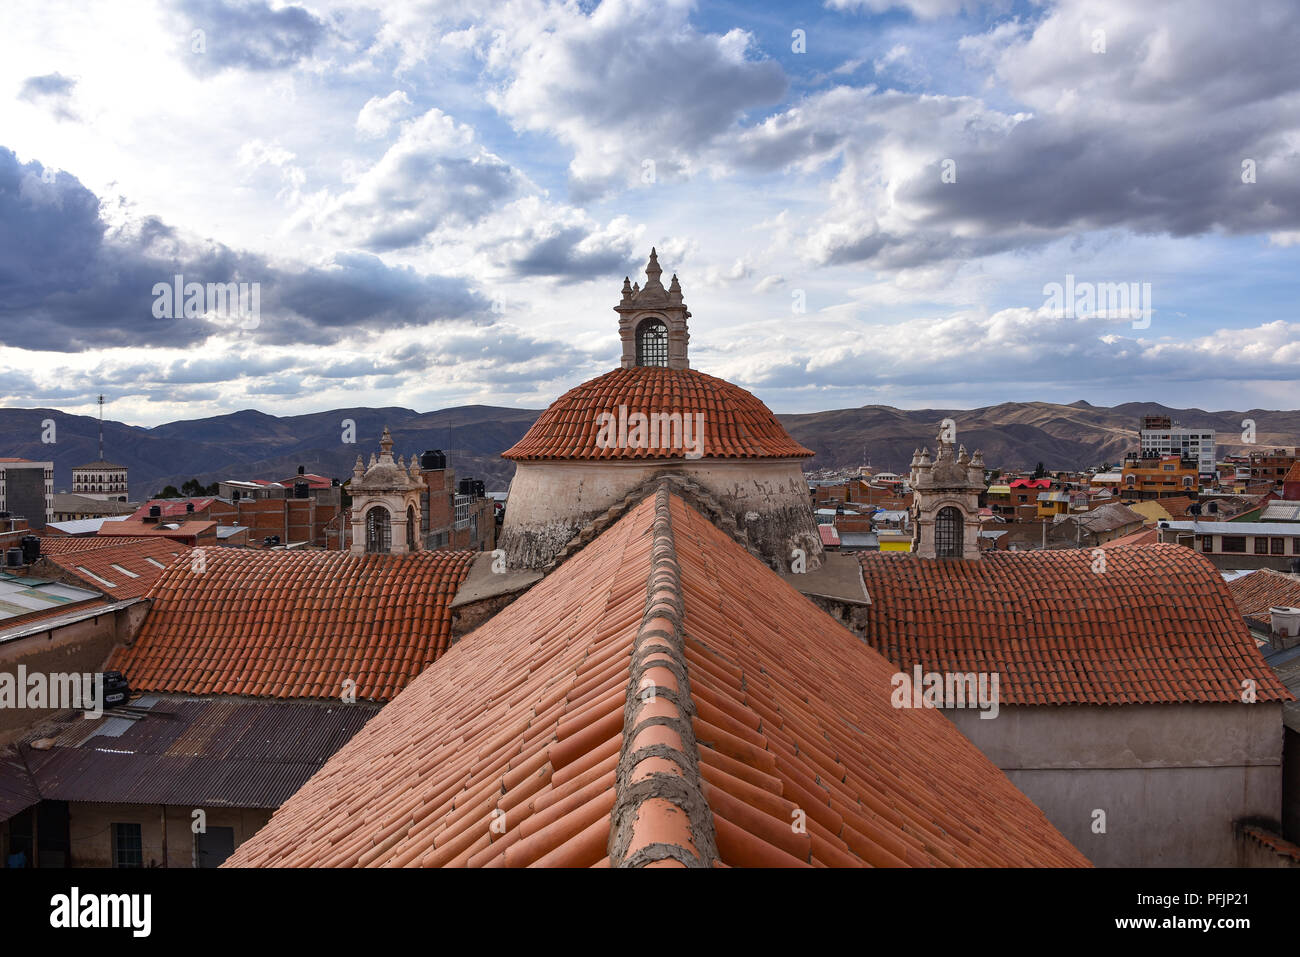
736 423
294 624
125 568
1263 589
1155 623
512 750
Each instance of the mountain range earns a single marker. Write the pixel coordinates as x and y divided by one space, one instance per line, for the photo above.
252 444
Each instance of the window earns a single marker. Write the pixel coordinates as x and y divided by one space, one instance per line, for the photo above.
1233 543
461 505
128 850
652 343
411 530
379 531
1207 543
948 528
1277 546
1261 545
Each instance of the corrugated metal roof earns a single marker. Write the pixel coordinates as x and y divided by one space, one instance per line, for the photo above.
17 791
203 752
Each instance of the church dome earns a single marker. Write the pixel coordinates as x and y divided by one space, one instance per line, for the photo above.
602 441
734 423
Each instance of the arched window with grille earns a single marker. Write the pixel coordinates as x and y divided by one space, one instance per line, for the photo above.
652 343
948 529
379 530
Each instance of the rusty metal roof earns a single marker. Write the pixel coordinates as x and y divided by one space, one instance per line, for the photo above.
200 752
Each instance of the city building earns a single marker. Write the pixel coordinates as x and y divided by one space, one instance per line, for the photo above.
1159 436
609 438
27 490
1165 476
72 507
100 480
1272 465
1239 545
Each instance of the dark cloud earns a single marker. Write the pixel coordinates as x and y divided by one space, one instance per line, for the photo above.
560 255
248 36
67 284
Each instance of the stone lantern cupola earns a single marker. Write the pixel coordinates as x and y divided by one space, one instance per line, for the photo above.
945 501
652 321
386 506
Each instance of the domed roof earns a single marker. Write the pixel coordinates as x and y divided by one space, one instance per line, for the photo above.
735 423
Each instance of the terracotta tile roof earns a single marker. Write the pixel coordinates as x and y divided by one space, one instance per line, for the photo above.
736 423
1263 589
171 507
134 529
1158 625
661 699
1148 536
127 568
1177 505
64 544
1293 473
830 535
295 624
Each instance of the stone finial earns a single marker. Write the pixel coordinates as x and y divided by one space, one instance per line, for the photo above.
627 288
374 460
977 460
675 290
653 271
359 470
386 443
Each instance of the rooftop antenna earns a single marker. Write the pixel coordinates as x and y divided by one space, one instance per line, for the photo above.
101 428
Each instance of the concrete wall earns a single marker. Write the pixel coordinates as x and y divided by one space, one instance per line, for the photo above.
78 648
1171 779
90 829
550 501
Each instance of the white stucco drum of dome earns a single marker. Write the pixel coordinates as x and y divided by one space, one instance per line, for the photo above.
551 501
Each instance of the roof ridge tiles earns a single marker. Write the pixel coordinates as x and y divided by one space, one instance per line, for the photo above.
660 812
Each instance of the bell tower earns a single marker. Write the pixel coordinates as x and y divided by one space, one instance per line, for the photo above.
652 321
946 501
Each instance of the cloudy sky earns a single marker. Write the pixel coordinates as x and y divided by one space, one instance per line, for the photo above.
864 200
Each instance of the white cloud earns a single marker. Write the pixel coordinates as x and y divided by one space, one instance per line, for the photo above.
380 113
